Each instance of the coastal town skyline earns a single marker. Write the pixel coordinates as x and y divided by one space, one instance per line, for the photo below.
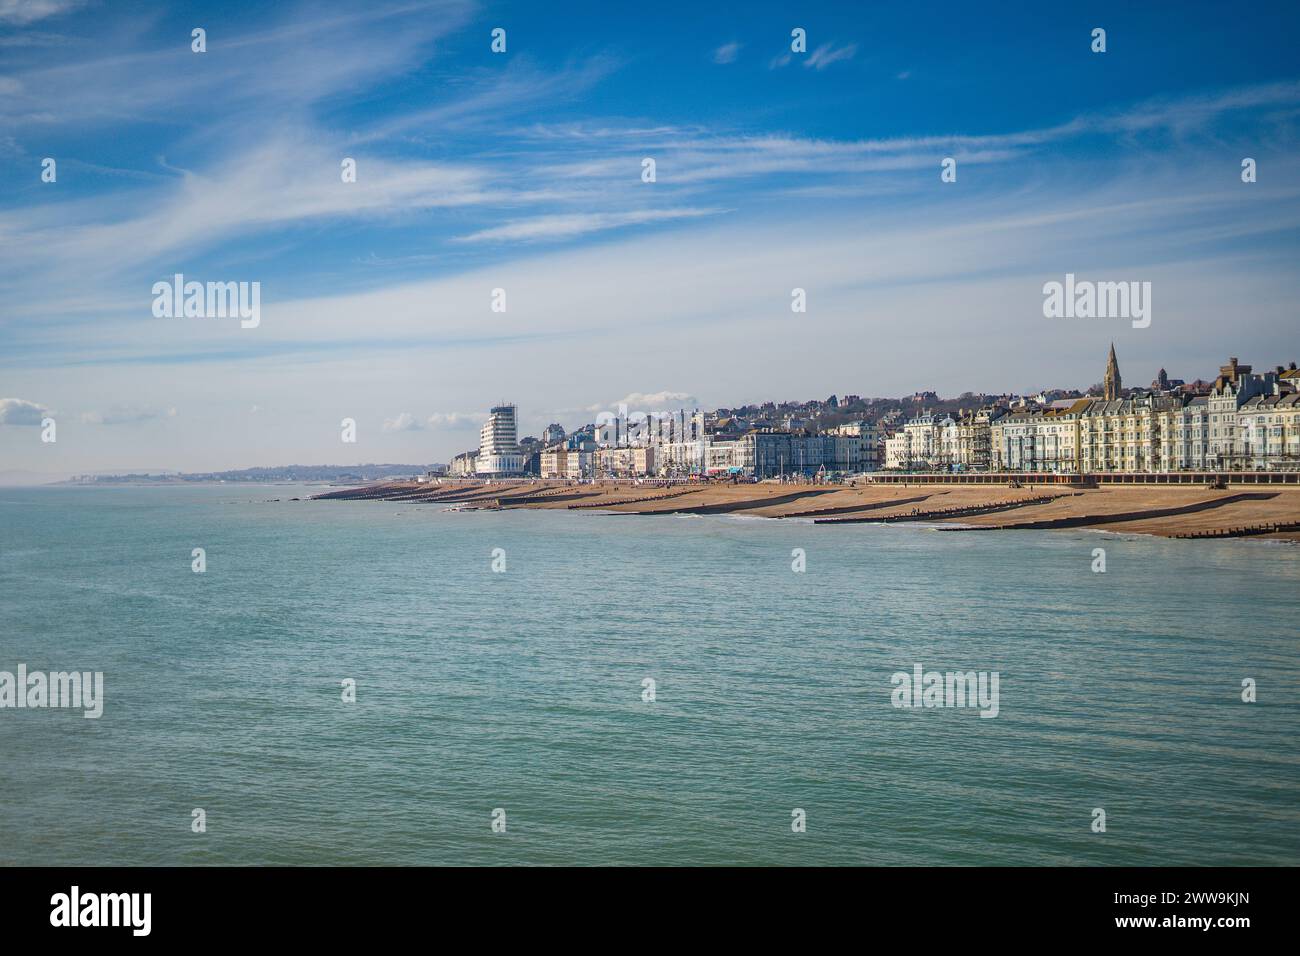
1245 419
884 431
373 206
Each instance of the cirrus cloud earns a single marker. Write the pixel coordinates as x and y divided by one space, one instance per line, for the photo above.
726 53
828 53
21 12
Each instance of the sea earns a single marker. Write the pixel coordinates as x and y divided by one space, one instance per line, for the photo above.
354 682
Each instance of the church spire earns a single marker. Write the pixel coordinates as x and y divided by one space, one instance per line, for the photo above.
1111 385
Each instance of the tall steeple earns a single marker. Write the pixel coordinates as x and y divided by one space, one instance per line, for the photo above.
1111 385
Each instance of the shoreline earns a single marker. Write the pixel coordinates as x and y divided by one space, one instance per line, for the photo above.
1169 511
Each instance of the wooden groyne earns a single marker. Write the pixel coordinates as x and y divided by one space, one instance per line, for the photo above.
367 493
751 504
414 494
530 497
523 500
564 491
1083 521
1243 531
851 509
477 494
461 495
384 492
944 514
610 502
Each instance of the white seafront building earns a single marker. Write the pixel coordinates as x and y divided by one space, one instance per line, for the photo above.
498 445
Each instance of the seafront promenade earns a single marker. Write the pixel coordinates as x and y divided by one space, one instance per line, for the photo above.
1090 479
1173 510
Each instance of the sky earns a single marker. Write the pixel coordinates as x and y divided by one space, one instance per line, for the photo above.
774 169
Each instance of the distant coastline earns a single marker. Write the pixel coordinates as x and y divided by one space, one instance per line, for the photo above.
282 474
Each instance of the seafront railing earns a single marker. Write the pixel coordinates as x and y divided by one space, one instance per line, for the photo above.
1087 479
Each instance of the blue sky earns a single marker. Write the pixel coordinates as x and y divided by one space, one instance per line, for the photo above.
521 171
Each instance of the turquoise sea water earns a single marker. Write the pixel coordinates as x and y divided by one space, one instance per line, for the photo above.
522 690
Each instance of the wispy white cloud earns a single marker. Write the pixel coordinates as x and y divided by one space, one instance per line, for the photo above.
693 156
727 53
1182 114
32 39
829 53
23 12
60 263
81 247
285 181
492 99
569 225
264 71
